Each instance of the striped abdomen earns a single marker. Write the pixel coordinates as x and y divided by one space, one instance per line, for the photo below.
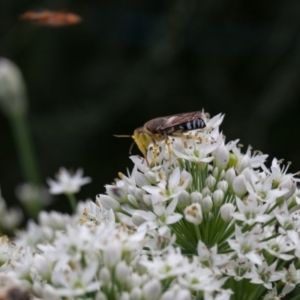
191 125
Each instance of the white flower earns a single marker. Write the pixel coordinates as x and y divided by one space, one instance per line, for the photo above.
247 245
239 268
196 152
193 213
279 174
28 193
211 258
279 247
67 183
246 160
54 220
163 213
265 274
173 186
176 292
171 263
251 211
94 212
11 219
291 279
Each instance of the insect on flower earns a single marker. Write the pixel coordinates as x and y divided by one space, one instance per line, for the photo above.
51 18
159 129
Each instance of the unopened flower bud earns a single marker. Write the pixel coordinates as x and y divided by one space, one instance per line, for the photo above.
184 199
239 185
206 204
290 185
206 192
116 192
147 199
221 156
140 179
218 197
210 182
152 290
112 254
230 175
100 296
138 218
222 174
12 89
139 194
193 213
122 271
196 197
226 211
108 202
177 294
243 164
132 200
223 185
124 296
248 174
151 176
104 275
42 266
136 293
215 172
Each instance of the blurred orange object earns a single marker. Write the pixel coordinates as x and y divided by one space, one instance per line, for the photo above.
51 18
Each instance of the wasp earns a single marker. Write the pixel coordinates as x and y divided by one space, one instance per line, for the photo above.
159 129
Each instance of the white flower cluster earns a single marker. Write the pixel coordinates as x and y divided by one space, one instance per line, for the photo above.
10 218
205 221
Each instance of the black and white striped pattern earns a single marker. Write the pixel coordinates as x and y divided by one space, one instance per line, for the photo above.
192 125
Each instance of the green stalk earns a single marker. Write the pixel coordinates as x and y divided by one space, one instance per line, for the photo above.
27 159
24 148
72 201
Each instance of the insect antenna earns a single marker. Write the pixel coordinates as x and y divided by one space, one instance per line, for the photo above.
122 135
125 136
130 149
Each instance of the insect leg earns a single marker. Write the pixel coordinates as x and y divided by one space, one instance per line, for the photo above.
155 152
168 143
187 136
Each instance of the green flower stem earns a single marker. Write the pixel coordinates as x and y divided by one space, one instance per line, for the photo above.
72 201
198 232
24 148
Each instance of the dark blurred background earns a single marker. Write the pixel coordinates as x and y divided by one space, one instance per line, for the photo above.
131 61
